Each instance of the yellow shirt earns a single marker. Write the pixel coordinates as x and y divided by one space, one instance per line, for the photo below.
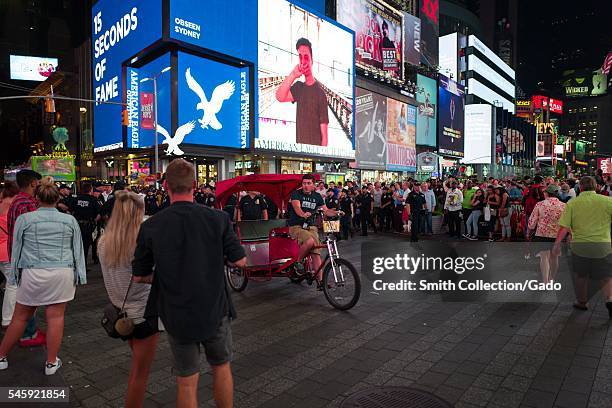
588 216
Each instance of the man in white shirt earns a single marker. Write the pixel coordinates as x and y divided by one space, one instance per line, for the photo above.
430 205
452 209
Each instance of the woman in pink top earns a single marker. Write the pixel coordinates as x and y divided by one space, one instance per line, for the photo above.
9 192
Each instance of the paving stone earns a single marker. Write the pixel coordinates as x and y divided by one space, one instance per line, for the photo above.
539 399
477 396
568 399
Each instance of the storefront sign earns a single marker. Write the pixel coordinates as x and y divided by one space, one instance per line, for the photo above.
427 162
546 128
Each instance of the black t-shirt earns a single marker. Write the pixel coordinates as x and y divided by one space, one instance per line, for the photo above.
150 204
272 207
252 208
386 198
210 200
308 203
200 197
68 201
311 112
331 202
365 202
416 201
185 246
85 208
345 204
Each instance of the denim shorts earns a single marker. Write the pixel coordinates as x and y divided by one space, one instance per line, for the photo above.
218 350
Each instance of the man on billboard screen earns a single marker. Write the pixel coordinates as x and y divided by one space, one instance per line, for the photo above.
311 113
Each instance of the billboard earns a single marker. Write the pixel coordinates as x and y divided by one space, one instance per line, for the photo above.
478 65
478 134
448 54
305 97
60 168
412 39
473 41
32 68
401 136
429 11
451 101
119 31
546 103
202 28
605 165
584 83
555 105
213 104
370 130
378 35
580 150
475 87
427 102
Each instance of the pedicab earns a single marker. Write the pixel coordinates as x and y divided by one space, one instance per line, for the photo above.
273 253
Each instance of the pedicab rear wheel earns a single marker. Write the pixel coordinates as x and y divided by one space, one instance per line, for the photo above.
236 278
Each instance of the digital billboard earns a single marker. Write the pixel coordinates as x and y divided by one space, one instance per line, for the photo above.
473 41
427 106
412 39
32 68
119 31
451 102
429 11
479 89
478 134
370 130
401 136
378 34
478 65
213 104
237 38
448 55
579 83
60 168
305 80
605 165
580 150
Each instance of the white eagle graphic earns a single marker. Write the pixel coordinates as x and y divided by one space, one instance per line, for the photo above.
174 142
210 107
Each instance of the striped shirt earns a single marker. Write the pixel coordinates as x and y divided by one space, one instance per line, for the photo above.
22 204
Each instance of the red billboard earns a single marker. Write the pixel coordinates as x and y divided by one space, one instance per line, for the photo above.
544 102
556 106
146 110
605 165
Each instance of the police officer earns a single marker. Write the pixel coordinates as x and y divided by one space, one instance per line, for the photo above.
252 207
366 207
150 201
330 199
200 195
65 203
416 202
272 207
86 210
345 204
209 200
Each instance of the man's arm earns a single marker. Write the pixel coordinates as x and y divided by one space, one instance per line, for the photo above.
265 214
283 93
142 265
297 207
232 250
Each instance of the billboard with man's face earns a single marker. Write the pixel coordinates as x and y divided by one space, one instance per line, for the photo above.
378 35
305 81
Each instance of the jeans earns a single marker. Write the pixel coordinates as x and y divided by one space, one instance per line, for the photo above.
10 291
426 225
471 227
454 223
345 226
366 219
397 218
466 214
506 230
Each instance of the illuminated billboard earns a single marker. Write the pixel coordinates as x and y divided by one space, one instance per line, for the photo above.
378 35
451 103
60 168
475 87
448 56
32 68
427 106
412 39
584 83
305 81
401 136
478 133
370 130
429 11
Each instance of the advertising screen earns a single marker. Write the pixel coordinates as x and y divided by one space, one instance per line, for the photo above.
32 68
478 133
401 136
429 11
60 168
555 105
119 31
448 56
213 104
475 87
451 102
370 129
305 95
478 65
473 41
378 34
412 39
237 38
584 83
427 106
580 150
605 165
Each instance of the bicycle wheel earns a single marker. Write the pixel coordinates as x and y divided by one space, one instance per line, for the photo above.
342 288
236 278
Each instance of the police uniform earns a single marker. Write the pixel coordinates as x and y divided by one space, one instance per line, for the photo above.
365 205
85 208
345 204
200 197
210 200
150 204
252 208
331 202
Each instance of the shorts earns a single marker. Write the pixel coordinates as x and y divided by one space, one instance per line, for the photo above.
302 235
593 268
144 329
218 351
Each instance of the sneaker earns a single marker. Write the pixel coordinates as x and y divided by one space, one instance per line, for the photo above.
3 363
467 236
51 368
472 237
39 339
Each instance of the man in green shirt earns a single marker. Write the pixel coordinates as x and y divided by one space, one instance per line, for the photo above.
466 204
586 220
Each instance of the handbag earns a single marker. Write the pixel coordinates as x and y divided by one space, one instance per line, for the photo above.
115 321
487 213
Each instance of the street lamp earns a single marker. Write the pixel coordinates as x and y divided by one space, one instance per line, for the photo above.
154 79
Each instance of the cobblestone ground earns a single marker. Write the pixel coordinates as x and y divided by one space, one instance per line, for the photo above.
293 350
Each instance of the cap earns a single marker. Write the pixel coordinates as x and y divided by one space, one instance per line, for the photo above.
120 185
62 186
553 189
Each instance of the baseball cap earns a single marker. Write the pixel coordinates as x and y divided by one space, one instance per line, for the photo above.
553 189
120 185
62 186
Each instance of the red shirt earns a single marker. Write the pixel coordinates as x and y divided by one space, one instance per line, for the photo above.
22 204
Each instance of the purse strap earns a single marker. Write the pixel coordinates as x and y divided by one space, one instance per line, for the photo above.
126 293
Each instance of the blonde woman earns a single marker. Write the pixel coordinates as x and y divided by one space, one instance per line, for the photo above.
47 264
116 250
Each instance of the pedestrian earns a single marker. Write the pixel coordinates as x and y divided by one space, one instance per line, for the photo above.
466 205
477 203
252 207
7 197
492 205
386 209
430 206
544 224
377 193
504 213
398 209
182 251
417 207
24 202
85 208
116 250
357 206
587 218
345 205
46 265
366 207
452 207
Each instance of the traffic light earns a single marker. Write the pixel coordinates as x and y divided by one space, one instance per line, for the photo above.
125 119
49 105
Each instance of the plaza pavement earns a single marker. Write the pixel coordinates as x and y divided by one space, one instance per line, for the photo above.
293 350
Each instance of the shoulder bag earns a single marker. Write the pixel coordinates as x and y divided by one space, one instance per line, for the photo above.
115 321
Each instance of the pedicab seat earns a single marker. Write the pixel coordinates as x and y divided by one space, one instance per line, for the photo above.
251 231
